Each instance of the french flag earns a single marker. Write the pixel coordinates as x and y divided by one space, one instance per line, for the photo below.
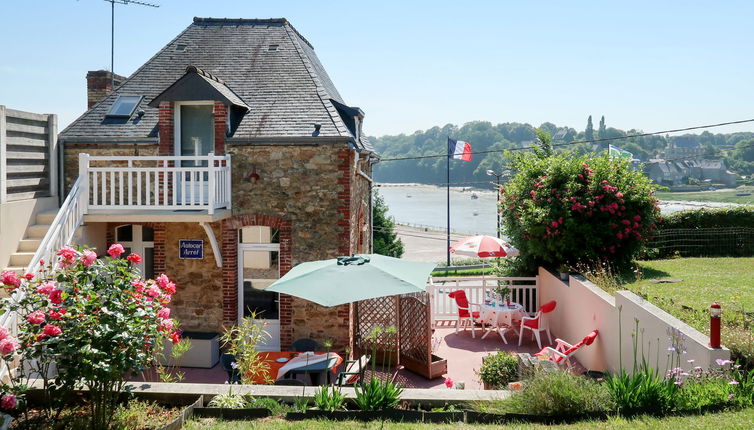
459 149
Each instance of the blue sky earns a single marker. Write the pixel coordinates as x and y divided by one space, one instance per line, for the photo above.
650 65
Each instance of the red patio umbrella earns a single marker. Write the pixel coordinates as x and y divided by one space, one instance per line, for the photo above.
483 247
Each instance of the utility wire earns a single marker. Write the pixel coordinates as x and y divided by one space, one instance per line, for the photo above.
605 139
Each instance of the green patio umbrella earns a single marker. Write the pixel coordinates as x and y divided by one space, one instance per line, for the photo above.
351 279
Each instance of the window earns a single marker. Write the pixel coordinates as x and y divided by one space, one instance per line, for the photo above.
272 48
181 47
258 234
138 239
124 106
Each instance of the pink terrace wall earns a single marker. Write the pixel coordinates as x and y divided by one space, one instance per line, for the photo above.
583 307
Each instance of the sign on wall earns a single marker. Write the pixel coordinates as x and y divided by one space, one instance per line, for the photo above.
191 249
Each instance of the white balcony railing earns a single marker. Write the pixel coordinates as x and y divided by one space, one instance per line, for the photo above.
524 290
156 182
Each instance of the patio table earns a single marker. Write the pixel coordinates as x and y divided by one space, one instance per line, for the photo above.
315 369
500 317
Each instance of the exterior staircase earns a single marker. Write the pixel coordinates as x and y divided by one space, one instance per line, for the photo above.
20 259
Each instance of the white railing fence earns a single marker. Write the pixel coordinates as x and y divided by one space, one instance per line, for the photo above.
61 232
157 182
524 290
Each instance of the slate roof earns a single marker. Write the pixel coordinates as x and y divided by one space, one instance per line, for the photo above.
197 84
287 89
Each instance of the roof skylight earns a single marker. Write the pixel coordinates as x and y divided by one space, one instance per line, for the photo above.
272 48
124 106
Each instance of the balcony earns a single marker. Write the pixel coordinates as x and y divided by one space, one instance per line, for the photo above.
155 188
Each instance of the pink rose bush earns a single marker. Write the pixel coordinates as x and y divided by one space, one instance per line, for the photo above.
565 209
95 320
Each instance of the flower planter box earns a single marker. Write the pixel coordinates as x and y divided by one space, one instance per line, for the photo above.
437 368
203 353
233 414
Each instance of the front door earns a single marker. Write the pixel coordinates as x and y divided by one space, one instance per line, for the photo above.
195 135
259 267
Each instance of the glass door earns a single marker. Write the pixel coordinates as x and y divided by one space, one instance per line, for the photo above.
139 239
259 267
196 137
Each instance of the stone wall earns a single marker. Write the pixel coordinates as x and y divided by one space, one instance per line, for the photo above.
71 153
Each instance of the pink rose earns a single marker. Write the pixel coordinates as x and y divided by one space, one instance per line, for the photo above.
36 317
138 284
51 330
3 333
8 345
115 250
153 291
56 315
162 280
29 276
10 279
67 256
170 288
88 257
167 324
8 401
46 288
56 297
134 258
163 313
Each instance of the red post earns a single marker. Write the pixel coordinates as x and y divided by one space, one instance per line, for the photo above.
715 314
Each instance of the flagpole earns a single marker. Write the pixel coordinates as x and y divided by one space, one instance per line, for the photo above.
447 185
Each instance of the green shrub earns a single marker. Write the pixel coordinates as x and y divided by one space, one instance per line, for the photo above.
329 399
377 395
688 225
558 393
138 415
567 209
641 391
498 369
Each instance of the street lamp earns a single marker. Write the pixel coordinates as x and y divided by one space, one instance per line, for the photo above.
498 176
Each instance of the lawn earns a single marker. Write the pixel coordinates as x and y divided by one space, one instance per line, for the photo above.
729 281
710 196
743 419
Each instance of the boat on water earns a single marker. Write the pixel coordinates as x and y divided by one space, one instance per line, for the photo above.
475 213
474 196
408 196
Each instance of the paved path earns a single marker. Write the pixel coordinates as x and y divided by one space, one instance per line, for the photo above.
425 245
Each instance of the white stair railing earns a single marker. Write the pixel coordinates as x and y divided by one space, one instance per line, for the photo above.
69 217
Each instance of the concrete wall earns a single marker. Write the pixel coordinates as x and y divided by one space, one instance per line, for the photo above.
583 307
15 216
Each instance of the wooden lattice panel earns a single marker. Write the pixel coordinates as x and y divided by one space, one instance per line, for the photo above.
415 329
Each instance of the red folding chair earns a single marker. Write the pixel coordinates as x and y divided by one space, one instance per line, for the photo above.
537 323
465 314
564 350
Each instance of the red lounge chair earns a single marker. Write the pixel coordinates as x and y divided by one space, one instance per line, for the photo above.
537 324
564 350
464 311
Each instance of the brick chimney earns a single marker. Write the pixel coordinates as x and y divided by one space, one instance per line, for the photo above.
99 85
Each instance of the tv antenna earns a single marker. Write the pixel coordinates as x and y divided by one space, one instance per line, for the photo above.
112 31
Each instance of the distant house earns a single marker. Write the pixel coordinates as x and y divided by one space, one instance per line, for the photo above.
671 173
683 147
224 160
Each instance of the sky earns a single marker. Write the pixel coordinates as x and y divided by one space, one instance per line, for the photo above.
411 65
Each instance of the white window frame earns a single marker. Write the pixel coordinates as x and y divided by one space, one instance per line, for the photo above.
177 123
137 245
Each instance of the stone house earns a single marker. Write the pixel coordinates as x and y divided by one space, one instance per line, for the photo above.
225 160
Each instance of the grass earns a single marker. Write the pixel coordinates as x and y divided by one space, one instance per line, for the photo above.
743 419
710 196
727 280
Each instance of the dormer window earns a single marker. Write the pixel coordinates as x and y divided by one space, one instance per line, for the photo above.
124 106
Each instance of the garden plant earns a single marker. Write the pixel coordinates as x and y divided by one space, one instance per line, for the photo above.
83 321
498 370
560 208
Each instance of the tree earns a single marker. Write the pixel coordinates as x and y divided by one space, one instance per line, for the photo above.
601 133
386 241
564 209
744 150
589 132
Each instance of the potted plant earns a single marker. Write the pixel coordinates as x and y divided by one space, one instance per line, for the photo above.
564 272
504 294
498 370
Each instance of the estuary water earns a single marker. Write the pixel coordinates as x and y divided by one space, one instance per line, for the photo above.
425 206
